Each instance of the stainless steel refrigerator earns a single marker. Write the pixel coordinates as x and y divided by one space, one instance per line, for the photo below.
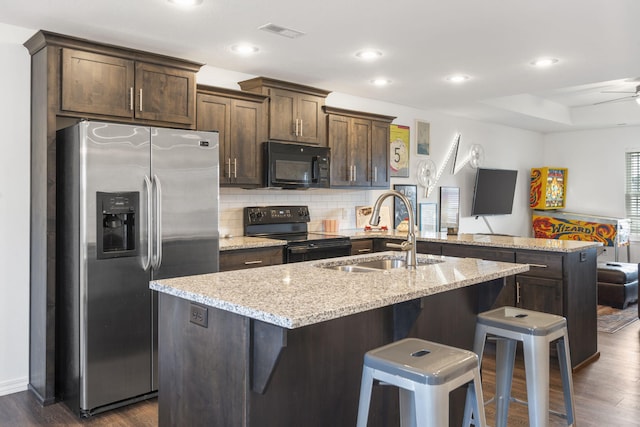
134 203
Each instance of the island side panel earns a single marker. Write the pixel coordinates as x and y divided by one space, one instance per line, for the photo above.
581 306
202 370
317 379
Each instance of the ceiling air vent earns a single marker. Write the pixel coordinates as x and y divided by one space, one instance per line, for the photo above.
281 31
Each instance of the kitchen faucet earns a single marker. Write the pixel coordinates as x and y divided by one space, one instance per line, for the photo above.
408 246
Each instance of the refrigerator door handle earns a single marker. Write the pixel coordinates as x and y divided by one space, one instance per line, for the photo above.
146 263
158 222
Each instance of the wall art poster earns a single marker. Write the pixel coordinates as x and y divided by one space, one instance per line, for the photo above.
428 220
400 211
399 150
422 137
449 209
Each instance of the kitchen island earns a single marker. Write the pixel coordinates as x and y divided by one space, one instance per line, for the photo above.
283 345
561 279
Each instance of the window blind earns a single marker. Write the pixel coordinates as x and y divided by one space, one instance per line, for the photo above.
632 191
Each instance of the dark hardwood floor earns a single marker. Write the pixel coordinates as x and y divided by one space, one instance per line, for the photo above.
607 393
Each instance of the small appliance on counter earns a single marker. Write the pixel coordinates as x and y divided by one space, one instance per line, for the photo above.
290 223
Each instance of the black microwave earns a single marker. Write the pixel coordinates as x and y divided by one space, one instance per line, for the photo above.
293 166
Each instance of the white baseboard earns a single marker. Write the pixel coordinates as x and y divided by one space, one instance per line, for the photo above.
13 386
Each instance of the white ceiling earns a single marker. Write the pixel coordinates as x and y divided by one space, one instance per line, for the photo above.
597 43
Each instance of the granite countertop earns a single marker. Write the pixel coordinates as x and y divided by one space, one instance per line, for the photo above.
243 242
511 242
491 240
300 294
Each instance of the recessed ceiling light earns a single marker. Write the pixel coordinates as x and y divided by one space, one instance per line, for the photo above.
186 3
380 82
244 49
368 54
458 78
544 62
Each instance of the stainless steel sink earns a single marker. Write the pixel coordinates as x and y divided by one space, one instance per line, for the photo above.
383 264
373 265
351 268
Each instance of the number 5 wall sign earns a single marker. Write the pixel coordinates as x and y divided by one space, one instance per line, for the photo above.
399 150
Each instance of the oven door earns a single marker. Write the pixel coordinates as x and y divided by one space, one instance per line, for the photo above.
305 251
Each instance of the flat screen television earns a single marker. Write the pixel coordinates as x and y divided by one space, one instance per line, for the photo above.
494 192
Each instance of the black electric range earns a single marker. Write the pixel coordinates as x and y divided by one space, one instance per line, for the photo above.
290 223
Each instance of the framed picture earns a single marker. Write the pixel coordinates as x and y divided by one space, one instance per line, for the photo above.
422 137
449 209
399 150
399 209
428 217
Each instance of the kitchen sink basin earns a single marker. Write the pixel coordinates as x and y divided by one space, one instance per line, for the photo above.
383 264
350 268
373 265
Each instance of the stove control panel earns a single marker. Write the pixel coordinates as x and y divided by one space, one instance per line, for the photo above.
275 214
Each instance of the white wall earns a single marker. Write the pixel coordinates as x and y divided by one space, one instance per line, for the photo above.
596 176
504 148
14 210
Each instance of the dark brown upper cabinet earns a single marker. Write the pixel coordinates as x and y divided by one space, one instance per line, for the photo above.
113 86
359 145
295 111
240 119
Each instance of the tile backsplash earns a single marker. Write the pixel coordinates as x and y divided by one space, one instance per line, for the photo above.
323 204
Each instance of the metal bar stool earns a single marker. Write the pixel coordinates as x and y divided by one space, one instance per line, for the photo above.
536 331
425 373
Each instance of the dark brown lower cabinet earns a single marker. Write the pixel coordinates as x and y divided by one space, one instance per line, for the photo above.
240 259
539 294
361 246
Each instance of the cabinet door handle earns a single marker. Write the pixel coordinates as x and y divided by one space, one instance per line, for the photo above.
355 173
131 98
539 265
228 172
295 128
235 168
301 128
517 293
375 174
140 96
364 251
351 173
258 261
